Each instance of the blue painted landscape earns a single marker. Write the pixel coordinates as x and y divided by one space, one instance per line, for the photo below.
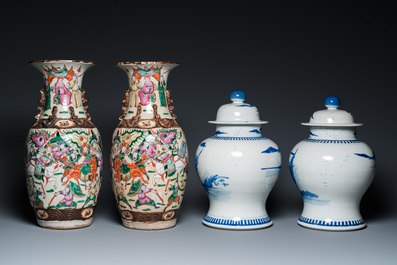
202 145
312 134
215 186
292 166
256 131
366 156
266 168
308 197
312 198
270 150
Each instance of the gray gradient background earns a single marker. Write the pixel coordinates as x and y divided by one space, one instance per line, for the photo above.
287 56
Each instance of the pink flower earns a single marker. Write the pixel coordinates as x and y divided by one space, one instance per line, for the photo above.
68 197
166 137
40 139
60 150
148 148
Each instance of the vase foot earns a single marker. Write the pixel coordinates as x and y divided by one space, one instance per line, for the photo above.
241 224
331 225
62 225
149 225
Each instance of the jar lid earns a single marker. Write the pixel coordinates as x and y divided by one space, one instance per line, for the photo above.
238 112
332 116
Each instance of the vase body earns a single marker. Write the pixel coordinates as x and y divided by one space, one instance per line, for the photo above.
64 150
238 168
149 155
332 170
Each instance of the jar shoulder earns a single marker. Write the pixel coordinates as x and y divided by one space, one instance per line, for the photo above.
311 147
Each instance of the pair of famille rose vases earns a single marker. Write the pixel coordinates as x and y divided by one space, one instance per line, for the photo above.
64 160
238 167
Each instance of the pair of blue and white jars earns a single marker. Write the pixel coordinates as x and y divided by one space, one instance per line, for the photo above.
238 168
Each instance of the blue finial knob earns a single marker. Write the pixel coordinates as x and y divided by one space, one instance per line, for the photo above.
238 95
332 102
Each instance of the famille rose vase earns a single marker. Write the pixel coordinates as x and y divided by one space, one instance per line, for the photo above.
332 170
64 152
238 168
149 153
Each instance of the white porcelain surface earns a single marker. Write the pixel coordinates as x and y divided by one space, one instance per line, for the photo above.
238 168
332 170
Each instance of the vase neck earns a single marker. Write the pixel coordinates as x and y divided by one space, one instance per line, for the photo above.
62 99
147 98
238 131
332 133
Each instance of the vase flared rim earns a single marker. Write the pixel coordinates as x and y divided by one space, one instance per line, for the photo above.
62 61
147 63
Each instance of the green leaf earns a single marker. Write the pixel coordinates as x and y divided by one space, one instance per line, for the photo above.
51 190
135 187
76 189
172 173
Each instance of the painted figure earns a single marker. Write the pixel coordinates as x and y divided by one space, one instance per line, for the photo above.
162 89
76 98
62 94
174 197
119 191
143 199
134 92
146 91
93 192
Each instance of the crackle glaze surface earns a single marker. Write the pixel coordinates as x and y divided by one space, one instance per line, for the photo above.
64 152
149 155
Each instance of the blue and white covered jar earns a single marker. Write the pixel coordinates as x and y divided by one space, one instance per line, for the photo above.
238 168
332 170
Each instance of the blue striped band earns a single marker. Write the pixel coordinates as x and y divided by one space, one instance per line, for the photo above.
242 222
332 141
237 138
331 223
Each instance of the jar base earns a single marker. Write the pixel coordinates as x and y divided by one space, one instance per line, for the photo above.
63 225
149 225
340 225
241 224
